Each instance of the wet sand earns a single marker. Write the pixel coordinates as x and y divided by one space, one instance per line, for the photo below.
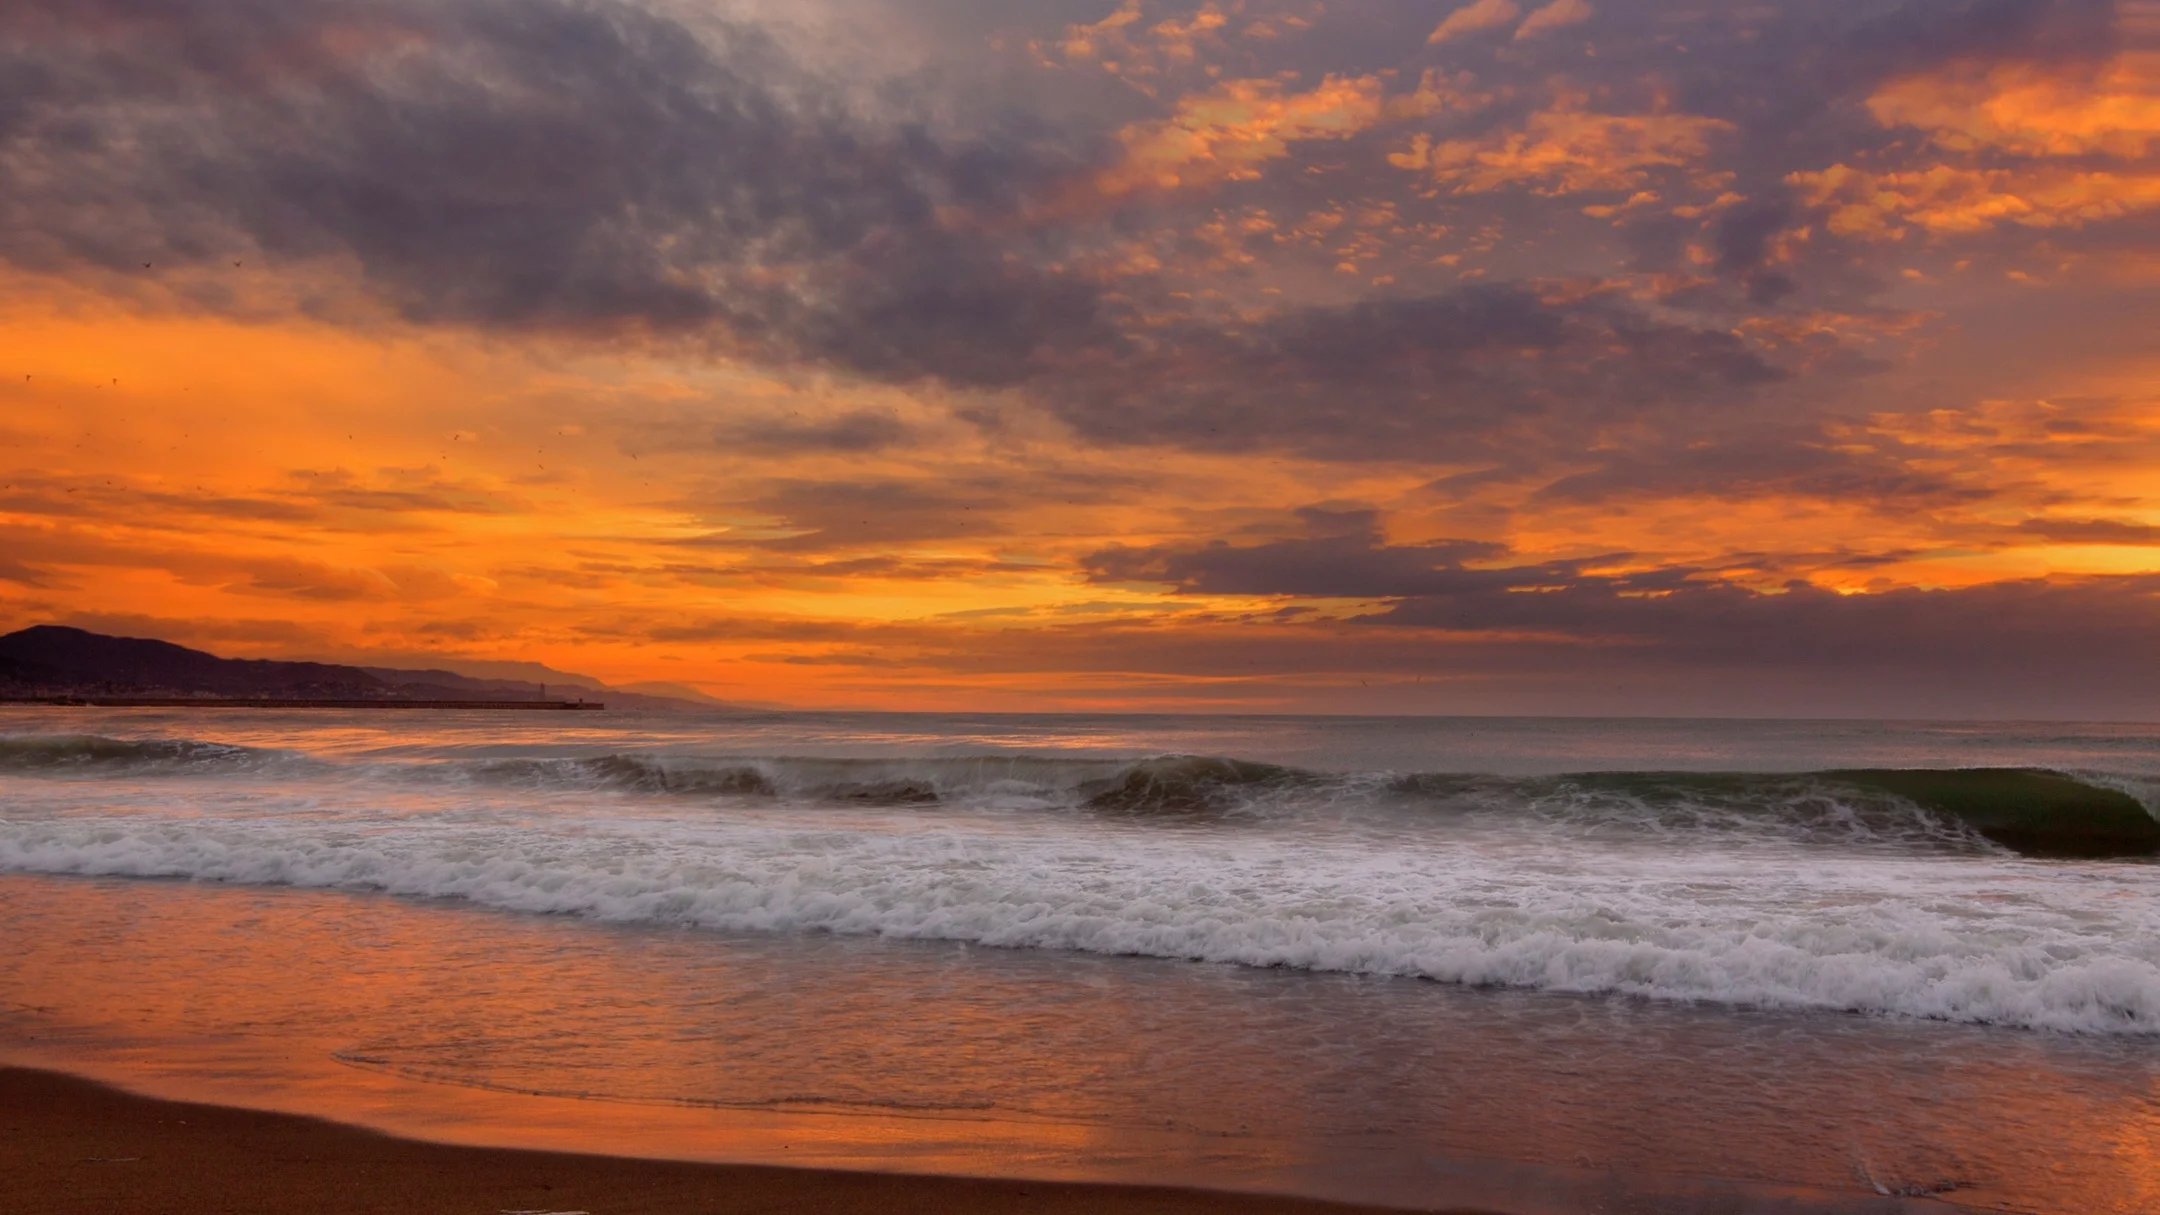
70 1145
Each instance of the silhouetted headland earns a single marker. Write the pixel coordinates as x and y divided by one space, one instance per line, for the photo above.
59 665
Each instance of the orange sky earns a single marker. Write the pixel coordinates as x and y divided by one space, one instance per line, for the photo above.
1231 356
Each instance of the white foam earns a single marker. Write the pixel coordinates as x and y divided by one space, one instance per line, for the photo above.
1964 938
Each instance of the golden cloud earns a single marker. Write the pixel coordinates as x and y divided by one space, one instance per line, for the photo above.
1566 150
2024 111
1227 133
2015 126
1177 38
1553 16
1091 41
1481 15
1949 200
1124 44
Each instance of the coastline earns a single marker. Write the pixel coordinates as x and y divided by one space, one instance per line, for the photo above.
607 941
75 1145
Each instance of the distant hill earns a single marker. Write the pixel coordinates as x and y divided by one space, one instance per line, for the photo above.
55 660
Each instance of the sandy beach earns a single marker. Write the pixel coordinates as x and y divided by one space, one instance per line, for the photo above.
1523 607
70 1145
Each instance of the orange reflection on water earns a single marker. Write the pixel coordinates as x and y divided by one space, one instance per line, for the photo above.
270 1002
467 1026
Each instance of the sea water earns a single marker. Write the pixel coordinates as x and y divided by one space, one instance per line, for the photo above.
1562 965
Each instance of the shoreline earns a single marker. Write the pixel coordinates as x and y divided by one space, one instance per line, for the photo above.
69 1144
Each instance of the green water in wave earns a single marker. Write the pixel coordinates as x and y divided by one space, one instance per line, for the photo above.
2036 812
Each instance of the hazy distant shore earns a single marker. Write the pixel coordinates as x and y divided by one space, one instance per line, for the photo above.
77 1146
56 665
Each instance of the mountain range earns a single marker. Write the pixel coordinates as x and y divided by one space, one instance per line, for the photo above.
56 660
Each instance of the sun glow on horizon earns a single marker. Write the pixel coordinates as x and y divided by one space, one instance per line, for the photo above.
1255 371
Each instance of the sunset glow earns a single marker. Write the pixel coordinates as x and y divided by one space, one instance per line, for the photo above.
1307 356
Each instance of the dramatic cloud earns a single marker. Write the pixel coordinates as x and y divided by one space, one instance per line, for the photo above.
522 162
1553 16
1472 17
1230 132
2029 624
904 352
1679 618
1346 560
1567 150
1413 378
1760 466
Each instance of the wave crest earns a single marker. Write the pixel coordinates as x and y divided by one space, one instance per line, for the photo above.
2030 811
90 752
1192 785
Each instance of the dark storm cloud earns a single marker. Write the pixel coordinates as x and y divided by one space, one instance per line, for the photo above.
1359 566
1346 559
1403 378
523 162
1758 466
1921 33
1797 72
2086 622
1792 80
1673 615
1743 240
592 164
2081 648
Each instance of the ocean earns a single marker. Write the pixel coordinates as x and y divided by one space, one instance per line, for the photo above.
1534 965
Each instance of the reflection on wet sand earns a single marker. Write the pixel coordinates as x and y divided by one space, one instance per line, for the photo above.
445 1022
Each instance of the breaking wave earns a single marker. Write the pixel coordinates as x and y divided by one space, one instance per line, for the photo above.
1926 937
91 753
1890 891
2029 811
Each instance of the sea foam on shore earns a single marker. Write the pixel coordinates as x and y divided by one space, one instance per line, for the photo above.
1829 890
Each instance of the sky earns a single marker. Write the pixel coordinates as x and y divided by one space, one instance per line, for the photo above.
1788 358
